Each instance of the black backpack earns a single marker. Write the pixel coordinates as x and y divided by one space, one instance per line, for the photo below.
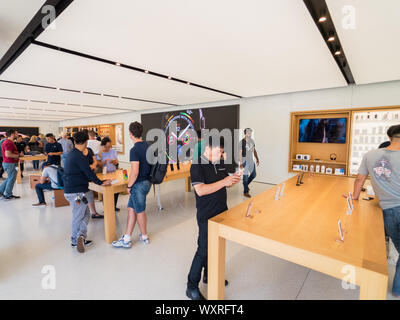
60 175
158 172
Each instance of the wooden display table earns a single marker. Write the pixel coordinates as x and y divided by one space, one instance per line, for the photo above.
26 159
302 228
109 191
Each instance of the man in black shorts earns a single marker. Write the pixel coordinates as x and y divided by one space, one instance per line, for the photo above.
209 179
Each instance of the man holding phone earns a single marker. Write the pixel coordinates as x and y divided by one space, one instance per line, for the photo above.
210 179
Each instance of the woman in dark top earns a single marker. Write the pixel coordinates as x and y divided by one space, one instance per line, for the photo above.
88 153
34 145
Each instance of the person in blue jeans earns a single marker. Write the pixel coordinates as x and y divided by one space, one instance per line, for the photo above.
10 162
247 148
383 167
48 181
138 187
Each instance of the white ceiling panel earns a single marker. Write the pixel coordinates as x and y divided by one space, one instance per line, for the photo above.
371 47
247 48
14 17
16 91
42 66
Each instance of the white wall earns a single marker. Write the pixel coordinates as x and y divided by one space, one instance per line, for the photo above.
126 118
44 126
269 116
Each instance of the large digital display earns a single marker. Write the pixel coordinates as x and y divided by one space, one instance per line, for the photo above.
328 130
226 117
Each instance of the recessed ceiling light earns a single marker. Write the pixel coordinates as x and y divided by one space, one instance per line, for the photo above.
322 19
169 77
117 64
146 71
188 83
337 52
331 38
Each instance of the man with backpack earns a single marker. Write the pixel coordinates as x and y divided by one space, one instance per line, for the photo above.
48 181
138 187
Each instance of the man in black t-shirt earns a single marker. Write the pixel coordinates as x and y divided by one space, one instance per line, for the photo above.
209 178
54 150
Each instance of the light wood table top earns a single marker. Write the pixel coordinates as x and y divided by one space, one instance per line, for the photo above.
304 224
120 186
33 158
27 158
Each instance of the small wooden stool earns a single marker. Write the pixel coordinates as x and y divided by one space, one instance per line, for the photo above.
59 198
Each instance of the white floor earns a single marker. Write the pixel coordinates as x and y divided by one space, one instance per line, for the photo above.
31 238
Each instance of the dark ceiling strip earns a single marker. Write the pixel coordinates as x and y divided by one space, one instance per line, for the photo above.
94 93
14 99
28 84
31 32
317 9
121 65
69 90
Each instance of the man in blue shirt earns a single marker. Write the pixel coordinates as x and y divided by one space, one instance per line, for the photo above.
138 187
53 150
77 174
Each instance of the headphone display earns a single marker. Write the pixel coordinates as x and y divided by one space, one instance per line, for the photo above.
333 156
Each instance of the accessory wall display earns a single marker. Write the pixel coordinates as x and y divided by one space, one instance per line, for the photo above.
368 132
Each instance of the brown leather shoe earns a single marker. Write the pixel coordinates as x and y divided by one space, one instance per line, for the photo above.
247 195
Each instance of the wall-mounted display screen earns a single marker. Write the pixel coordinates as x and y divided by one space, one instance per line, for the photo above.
25 131
226 117
327 130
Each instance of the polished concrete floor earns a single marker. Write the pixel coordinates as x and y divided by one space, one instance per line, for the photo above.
33 238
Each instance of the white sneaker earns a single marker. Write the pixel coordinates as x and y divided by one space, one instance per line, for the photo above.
122 244
145 241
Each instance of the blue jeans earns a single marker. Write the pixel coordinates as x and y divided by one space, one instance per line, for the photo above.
137 199
247 179
391 219
35 164
8 185
39 190
80 215
63 158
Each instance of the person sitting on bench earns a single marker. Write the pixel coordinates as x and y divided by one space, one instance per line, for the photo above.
48 181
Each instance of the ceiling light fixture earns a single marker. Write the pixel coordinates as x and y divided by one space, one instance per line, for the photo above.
188 83
146 71
322 17
169 77
117 64
337 51
331 36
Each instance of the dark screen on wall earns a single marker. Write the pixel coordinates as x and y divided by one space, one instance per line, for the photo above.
28 131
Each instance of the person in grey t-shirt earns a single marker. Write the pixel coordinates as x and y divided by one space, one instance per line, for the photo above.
67 146
247 148
383 167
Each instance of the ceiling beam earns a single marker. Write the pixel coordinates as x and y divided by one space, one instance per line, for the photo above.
31 32
318 9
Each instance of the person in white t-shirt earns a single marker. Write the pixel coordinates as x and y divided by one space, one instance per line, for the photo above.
48 181
93 143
